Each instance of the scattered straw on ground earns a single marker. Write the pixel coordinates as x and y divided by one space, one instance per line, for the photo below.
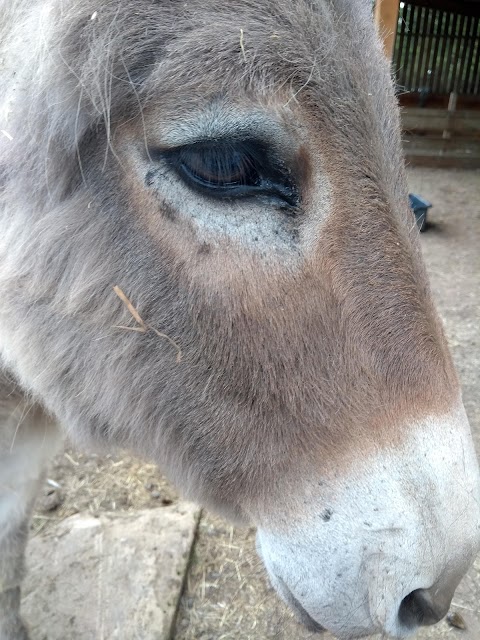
94 484
227 596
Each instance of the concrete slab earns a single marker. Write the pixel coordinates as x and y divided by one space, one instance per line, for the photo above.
118 576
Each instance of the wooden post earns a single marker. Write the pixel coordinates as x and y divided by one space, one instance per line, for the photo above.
452 107
386 18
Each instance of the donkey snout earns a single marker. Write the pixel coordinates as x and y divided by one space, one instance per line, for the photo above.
384 550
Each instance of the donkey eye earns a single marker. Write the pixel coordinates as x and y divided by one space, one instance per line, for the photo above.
232 169
219 166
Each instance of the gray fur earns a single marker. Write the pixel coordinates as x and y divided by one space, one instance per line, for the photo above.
287 356
27 440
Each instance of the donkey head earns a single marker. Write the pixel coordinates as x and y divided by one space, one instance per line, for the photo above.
235 169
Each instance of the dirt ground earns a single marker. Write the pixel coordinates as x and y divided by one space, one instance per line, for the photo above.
227 596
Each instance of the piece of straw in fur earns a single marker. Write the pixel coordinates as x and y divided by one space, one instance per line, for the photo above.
130 307
143 327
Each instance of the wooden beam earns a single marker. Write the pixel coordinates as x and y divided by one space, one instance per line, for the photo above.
386 18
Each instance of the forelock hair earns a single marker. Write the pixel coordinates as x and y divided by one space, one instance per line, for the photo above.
81 67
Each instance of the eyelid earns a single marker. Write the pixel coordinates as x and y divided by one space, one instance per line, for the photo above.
218 121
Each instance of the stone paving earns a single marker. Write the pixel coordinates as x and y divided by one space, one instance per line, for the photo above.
115 577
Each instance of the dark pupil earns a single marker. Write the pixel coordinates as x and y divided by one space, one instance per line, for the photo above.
219 166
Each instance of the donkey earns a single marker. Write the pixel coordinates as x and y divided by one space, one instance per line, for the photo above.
207 256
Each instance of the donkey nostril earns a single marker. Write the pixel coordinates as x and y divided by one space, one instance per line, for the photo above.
419 608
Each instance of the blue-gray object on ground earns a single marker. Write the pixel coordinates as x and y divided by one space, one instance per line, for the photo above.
420 206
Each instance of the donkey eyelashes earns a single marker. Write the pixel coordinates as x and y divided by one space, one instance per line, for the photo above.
232 169
220 167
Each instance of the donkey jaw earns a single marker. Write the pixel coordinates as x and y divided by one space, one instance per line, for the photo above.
403 529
